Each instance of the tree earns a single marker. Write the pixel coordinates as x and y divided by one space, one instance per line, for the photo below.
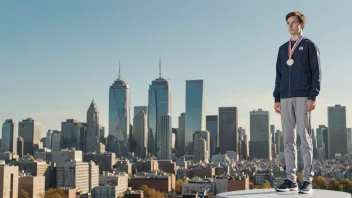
178 187
55 193
23 194
151 192
335 185
266 184
320 183
347 185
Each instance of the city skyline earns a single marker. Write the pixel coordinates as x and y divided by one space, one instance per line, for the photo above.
215 44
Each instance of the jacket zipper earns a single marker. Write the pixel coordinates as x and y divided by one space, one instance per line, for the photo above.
289 83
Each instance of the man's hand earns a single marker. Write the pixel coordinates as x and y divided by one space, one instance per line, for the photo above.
310 106
277 107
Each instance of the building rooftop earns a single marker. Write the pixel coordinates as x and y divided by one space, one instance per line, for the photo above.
160 81
119 84
271 193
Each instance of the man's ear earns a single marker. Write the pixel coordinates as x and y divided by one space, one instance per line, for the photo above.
302 25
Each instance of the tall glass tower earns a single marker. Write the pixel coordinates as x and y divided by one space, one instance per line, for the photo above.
159 102
213 127
119 117
9 136
195 119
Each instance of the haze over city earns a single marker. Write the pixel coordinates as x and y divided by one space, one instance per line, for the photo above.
57 56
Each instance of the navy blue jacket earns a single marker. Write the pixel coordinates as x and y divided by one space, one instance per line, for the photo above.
303 78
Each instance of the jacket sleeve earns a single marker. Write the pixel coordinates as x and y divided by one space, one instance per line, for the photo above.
314 62
278 78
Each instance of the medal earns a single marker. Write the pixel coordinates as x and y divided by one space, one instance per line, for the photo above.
290 50
290 62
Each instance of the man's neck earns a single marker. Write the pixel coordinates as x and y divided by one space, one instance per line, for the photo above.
295 37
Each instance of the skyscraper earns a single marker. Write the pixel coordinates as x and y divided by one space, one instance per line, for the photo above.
322 142
349 140
242 152
73 134
20 146
337 131
321 131
48 139
212 126
9 136
180 138
228 126
194 110
140 133
260 144
272 131
201 145
159 102
102 134
137 109
56 140
93 134
174 134
164 141
119 117
30 131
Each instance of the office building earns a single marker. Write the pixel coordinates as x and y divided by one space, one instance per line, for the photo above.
228 127
119 117
9 136
260 143
194 120
30 131
337 131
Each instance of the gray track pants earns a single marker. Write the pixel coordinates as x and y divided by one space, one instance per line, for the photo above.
293 111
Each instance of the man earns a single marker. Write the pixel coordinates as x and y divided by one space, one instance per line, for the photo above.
297 84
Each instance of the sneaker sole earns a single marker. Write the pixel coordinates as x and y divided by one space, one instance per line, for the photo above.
282 190
286 190
306 192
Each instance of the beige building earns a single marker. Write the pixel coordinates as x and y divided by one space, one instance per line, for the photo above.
35 168
140 133
93 175
108 191
65 155
106 161
113 179
8 181
201 146
73 175
34 185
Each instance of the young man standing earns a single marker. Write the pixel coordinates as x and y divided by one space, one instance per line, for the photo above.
297 84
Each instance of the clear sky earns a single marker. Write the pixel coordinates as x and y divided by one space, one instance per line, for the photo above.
56 56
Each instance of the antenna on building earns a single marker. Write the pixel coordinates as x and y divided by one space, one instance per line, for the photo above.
159 67
119 70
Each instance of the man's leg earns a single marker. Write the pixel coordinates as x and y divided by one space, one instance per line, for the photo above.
288 121
304 130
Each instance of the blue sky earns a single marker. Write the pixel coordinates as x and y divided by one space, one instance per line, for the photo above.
55 56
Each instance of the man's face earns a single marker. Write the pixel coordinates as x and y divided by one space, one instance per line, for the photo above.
294 26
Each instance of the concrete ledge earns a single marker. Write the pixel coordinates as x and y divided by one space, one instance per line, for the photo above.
271 193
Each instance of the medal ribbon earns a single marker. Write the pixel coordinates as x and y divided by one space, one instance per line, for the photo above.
292 50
